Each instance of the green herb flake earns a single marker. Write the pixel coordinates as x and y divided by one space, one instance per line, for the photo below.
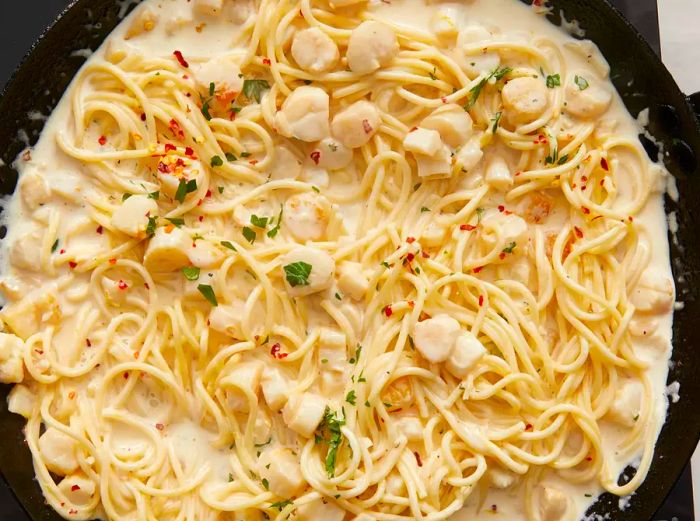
510 247
230 158
216 161
338 296
208 293
221 189
351 398
416 186
331 425
298 273
126 196
151 226
581 82
553 80
259 222
367 403
279 505
475 91
253 89
185 187
54 246
227 244
212 88
424 209
479 214
496 120
230 477
191 272
273 232
205 109
386 265
177 221
260 445
563 159
266 484
315 189
249 234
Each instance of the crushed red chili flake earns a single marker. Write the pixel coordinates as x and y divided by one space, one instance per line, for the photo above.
602 182
126 376
122 285
102 141
176 128
253 161
160 426
163 168
62 251
72 511
501 208
74 488
494 508
208 194
630 218
112 261
410 257
410 240
71 395
478 269
481 300
413 129
179 162
411 304
604 164
200 218
585 210
528 427
589 458
578 232
316 156
425 254
502 255
275 352
145 285
266 61
99 229
517 174
72 264
584 178
181 59
170 148
443 99
143 116
467 227
88 343
189 152
366 126
388 311
418 460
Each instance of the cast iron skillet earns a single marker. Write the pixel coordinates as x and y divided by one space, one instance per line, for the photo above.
640 78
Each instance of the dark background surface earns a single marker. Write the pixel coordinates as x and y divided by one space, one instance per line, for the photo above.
21 22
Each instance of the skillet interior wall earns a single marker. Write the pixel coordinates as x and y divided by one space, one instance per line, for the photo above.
45 74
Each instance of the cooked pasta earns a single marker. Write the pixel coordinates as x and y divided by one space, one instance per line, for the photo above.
337 261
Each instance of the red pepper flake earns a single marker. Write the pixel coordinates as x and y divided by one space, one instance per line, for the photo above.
88 343
388 311
122 285
145 285
72 264
413 129
602 182
494 508
630 218
189 152
578 232
143 116
71 395
443 99
160 426
266 61
61 251
410 257
200 218
604 164
583 187
72 511
517 174
584 178
179 162
589 458
501 208
176 128
316 156
411 304
112 261
253 161
502 255
467 227
528 427
481 300
163 168
585 210
366 126
74 488
99 229
410 240
537 3
478 269
181 60
418 460
170 148
126 376
275 352
102 141
425 254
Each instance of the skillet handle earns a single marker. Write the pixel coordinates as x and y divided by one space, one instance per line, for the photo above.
694 100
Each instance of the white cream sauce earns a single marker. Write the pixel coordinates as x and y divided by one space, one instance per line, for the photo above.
190 442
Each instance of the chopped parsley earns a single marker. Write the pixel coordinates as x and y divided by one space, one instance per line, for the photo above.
151 226
177 221
315 189
185 187
249 234
298 273
553 80
475 91
54 246
154 195
581 82
216 161
351 398
358 352
266 484
496 120
208 293
273 232
259 222
245 154
191 272
424 209
479 214
221 189
229 157
126 196
253 89
330 425
259 445
338 296
510 247
563 159
227 244
281 504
